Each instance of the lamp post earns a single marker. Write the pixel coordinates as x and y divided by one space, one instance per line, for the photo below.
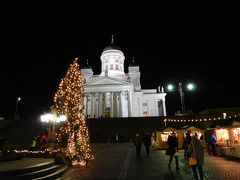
189 86
52 119
16 109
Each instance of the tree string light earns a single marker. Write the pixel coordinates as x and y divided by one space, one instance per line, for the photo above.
69 101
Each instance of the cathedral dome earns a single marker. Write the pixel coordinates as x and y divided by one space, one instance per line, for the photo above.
112 60
112 47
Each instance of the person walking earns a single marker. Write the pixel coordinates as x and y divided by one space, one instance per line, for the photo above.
188 142
173 149
196 150
43 142
147 142
34 144
213 141
138 144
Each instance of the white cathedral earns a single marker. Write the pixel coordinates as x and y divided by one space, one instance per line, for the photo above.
115 93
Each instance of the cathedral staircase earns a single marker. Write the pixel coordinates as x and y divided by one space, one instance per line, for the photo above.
46 170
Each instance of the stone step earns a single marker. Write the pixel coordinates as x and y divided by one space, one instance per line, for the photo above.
49 170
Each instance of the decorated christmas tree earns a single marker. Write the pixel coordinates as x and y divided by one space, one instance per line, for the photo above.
69 101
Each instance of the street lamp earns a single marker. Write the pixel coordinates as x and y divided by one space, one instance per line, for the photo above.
16 109
189 87
52 119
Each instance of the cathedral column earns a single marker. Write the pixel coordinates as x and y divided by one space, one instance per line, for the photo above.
92 106
100 106
164 107
121 104
117 104
85 105
96 105
129 104
111 105
103 104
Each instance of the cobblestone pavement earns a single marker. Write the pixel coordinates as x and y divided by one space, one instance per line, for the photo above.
118 161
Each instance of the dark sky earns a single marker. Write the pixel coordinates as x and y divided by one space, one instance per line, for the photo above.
35 58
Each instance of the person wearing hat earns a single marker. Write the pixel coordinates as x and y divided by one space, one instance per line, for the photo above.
173 149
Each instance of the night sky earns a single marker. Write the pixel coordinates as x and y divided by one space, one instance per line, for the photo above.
35 58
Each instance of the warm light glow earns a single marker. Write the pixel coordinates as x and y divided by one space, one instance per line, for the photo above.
224 115
61 118
236 135
200 119
222 135
165 135
46 118
69 101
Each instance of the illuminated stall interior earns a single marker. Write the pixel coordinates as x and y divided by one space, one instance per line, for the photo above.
222 135
236 135
162 137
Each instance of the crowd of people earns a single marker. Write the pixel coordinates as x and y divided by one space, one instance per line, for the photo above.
39 143
192 147
145 140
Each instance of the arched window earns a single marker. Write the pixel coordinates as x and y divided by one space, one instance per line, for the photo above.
111 66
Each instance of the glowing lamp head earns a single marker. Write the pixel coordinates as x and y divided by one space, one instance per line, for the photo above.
190 86
170 87
61 118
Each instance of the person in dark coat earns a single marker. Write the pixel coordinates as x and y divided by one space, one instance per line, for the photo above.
213 141
147 142
188 142
196 150
173 149
138 144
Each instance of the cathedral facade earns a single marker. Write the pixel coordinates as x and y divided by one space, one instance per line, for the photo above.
114 93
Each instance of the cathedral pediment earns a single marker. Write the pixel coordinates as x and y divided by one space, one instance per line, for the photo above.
106 83
106 80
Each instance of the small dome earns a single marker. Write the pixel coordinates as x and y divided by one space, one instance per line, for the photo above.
133 63
86 65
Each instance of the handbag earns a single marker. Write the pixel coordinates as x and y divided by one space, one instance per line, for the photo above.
192 160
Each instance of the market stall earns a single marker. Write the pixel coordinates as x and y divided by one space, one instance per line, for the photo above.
228 140
198 132
162 137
